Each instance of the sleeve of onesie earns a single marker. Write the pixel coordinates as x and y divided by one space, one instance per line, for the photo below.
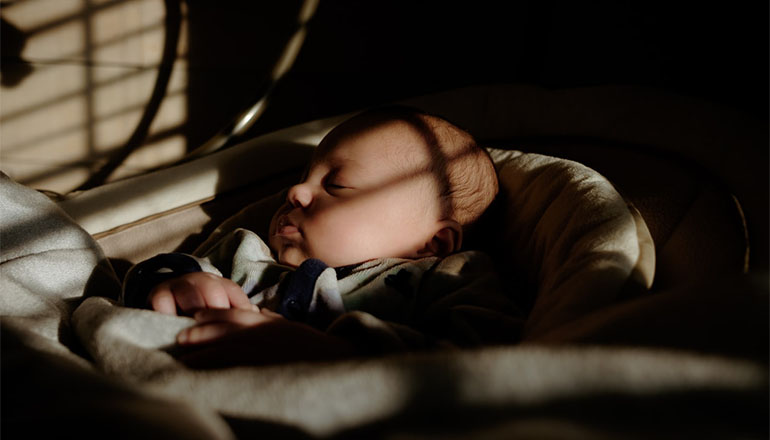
240 256
142 277
309 293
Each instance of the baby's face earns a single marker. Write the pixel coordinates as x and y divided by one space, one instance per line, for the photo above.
360 200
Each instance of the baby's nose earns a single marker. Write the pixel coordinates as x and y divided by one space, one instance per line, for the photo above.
300 195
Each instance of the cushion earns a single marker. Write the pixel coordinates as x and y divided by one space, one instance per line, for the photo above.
567 241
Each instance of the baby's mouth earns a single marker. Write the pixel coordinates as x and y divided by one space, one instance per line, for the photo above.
285 227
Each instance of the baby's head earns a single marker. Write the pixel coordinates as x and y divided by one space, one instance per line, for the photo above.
390 182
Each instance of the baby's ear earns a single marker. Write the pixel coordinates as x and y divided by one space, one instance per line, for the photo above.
447 239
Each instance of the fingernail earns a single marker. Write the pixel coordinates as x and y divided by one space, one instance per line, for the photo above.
182 337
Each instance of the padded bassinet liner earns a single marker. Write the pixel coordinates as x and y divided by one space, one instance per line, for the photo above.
680 161
694 222
696 225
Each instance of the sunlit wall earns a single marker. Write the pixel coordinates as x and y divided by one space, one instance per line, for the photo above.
76 88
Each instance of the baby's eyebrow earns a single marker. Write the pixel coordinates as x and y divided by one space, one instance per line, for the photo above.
337 162
331 165
314 162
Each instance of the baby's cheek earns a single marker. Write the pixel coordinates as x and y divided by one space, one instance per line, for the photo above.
334 244
325 236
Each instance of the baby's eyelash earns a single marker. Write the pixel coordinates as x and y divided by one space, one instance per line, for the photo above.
328 181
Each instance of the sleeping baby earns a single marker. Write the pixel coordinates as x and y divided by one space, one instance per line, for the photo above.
372 232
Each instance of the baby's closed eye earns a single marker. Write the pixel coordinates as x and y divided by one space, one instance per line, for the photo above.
334 184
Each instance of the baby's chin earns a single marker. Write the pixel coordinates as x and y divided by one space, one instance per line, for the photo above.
294 257
291 256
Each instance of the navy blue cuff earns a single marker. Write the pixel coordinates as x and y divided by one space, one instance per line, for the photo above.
143 277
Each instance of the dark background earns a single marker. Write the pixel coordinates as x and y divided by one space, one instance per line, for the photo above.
361 53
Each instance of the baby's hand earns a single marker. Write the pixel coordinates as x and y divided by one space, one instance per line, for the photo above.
214 324
198 290
231 337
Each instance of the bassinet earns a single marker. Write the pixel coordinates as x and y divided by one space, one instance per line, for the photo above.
646 315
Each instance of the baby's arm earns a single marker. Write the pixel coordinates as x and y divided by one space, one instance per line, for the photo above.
197 290
180 283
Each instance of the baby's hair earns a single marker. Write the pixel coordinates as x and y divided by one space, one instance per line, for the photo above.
471 178
465 175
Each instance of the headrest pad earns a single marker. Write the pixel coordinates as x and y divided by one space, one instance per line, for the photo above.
566 232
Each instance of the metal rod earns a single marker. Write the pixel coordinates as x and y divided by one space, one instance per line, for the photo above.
248 117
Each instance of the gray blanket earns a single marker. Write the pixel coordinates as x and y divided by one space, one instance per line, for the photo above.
90 366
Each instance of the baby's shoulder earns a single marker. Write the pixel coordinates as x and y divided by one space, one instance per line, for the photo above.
465 262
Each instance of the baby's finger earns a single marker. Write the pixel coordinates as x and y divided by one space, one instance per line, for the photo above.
188 297
162 300
241 317
267 313
236 296
214 290
201 333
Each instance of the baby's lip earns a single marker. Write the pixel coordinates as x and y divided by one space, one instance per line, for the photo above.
285 227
